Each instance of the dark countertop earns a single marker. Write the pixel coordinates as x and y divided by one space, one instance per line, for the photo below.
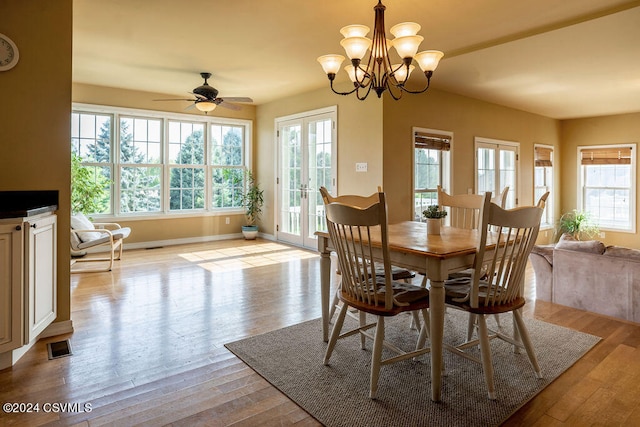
20 204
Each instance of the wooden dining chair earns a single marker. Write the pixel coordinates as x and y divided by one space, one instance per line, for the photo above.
500 289
397 273
350 229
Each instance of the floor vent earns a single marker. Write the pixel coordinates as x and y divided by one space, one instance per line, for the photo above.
59 349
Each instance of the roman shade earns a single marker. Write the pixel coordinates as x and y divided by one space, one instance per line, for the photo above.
543 156
614 155
430 141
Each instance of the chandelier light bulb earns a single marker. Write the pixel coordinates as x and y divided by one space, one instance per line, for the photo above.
405 29
354 31
429 60
407 46
331 63
401 72
356 47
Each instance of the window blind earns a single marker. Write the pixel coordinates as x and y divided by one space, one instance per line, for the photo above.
606 156
543 156
431 141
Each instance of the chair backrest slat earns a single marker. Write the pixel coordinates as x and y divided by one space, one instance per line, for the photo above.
350 229
516 231
463 209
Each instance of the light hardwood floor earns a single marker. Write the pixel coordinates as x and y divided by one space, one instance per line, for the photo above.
148 345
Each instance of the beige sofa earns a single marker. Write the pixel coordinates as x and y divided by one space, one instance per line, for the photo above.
589 276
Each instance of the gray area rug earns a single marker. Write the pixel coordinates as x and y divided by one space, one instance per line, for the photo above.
337 395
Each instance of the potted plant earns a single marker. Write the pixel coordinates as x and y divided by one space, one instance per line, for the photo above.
434 216
578 225
252 200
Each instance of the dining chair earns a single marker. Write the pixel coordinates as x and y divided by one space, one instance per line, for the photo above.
397 273
350 229
501 287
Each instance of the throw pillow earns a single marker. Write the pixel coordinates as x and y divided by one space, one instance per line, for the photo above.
80 222
589 246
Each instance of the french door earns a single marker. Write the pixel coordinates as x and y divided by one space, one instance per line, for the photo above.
497 167
306 161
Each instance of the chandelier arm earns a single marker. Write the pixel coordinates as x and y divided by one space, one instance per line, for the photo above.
428 74
343 93
362 98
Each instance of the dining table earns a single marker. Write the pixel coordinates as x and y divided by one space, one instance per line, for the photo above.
434 256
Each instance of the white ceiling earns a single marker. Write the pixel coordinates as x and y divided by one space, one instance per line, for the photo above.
558 58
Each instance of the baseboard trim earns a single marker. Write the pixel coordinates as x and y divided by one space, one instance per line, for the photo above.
57 328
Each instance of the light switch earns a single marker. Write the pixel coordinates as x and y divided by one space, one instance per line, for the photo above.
361 167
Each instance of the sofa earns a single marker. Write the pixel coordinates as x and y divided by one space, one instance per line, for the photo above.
589 276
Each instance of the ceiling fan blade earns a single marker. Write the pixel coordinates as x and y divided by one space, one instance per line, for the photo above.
238 99
229 105
176 99
191 106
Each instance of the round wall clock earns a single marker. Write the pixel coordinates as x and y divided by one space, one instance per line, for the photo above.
8 53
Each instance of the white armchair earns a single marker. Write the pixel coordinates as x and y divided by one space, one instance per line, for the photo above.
87 235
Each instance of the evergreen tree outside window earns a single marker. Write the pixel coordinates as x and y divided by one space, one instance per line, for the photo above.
91 141
162 163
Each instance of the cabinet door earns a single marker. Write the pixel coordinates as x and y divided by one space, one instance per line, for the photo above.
40 275
11 296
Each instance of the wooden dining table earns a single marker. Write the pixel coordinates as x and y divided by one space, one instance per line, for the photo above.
434 256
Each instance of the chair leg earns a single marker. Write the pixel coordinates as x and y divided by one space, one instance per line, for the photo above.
334 304
524 335
335 333
376 356
363 321
415 321
471 325
424 330
485 352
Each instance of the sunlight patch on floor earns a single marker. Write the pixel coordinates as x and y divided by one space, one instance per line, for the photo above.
243 257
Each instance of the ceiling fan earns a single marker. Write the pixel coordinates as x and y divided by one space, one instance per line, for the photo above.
206 98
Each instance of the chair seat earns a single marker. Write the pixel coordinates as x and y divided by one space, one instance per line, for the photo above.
397 273
460 288
120 233
416 298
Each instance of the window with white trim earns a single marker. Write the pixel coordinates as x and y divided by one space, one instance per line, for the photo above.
431 167
543 181
607 185
163 163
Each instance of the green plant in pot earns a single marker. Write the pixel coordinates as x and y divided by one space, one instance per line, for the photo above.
252 200
578 225
434 216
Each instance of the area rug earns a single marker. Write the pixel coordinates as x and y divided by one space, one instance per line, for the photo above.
337 395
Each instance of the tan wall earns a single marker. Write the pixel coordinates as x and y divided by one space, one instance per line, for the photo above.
359 140
619 129
35 110
171 228
467 118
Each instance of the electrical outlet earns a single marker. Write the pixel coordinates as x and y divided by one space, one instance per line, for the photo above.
227 221
361 167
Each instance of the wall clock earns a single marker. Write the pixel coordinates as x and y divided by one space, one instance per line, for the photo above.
8 53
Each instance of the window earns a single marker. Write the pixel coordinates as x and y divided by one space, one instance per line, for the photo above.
607 181
431 167
543 181
158 164
497 168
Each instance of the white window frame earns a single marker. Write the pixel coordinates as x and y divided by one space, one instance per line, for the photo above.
445 163
547 216
632 189
165 212
480 142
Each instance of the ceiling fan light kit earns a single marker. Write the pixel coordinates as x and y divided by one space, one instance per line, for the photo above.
206 98
378 73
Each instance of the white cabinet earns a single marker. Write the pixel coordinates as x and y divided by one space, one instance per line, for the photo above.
39 275
27 279
11 296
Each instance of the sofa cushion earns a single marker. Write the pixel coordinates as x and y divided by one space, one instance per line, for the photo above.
620 252
545 251
589 246
80 222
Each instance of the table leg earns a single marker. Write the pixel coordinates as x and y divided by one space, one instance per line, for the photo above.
436 314
325 285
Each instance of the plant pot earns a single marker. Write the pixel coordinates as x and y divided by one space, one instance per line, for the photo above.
250 231
433 226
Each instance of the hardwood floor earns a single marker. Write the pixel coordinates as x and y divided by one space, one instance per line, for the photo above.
148 345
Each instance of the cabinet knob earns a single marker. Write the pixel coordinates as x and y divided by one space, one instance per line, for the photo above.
18 228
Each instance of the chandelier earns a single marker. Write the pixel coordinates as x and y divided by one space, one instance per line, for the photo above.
378 73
